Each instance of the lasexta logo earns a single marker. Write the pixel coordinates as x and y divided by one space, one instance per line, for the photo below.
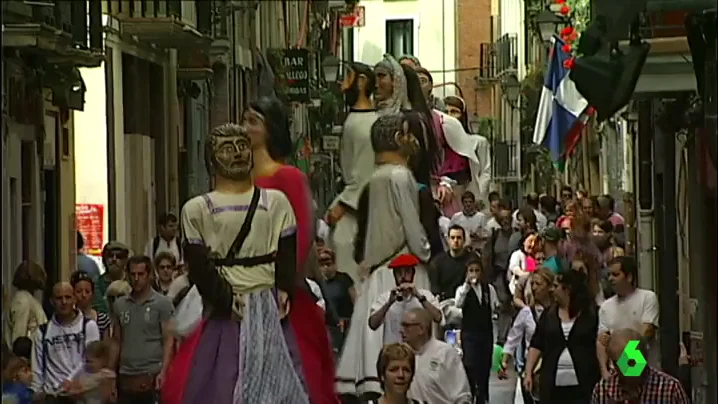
631 363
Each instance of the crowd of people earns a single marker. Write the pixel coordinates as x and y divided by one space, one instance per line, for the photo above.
422 274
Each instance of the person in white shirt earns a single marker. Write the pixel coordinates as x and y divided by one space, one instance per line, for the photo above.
473 221
532 201
59 346
519 338
23 314
440 376
317 292
444 225
496 205
166 240
631 307
478 301
389 307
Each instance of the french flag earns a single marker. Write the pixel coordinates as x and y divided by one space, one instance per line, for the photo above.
562 112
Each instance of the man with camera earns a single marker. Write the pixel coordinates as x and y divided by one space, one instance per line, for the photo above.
388 309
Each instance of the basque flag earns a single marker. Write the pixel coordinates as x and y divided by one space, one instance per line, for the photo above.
562 112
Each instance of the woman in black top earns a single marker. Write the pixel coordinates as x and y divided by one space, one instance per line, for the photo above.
565 341
395 366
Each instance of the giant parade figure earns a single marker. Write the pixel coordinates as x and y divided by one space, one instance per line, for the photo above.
240 245
267 124
262 338
357 163
390 222
463 161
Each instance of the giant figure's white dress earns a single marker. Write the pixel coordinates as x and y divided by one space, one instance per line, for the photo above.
393 228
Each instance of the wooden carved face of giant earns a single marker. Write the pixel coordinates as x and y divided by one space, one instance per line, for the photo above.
229 152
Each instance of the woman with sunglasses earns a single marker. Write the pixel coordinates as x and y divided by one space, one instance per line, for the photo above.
84 288
114 259
165 264
565 342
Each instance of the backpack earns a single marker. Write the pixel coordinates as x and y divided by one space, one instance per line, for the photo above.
156 246
45 349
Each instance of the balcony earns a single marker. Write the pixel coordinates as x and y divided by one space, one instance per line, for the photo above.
166 23
505 161
487 63
662 19
507 56
65 32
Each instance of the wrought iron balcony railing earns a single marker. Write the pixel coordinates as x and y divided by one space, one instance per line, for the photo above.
171 24
487 62
507 57
79 20
660 19
505 160
212 18
183 11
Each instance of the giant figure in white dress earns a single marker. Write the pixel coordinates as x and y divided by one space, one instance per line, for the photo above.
389 225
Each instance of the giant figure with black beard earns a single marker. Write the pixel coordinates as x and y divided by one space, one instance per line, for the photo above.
357 163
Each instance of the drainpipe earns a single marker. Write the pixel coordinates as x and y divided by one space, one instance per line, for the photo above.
233 43
173 136
643 179
667 234
709 274
443 43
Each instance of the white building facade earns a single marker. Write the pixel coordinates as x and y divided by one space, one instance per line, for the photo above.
425 29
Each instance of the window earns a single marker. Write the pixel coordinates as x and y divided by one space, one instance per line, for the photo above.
400 37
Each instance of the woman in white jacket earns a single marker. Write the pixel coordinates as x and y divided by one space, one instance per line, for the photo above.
519 338
25 313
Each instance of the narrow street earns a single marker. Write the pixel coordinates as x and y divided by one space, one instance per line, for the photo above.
209 200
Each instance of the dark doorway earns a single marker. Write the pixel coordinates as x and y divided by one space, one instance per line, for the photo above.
51 230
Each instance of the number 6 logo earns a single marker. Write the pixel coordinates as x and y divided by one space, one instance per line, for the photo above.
631 363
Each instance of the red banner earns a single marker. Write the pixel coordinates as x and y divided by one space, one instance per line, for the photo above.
90 222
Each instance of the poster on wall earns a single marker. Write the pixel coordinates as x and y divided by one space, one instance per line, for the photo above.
89 219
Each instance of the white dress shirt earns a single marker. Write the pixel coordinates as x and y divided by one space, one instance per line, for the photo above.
440 376
317 292
471 224
523 329
392 320
463 290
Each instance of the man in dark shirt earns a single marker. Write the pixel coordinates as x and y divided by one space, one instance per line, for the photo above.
497 253
449 268
339 293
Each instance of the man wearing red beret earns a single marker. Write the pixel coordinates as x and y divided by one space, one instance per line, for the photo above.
389 307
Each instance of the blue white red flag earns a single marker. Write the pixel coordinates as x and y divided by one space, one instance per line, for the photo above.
563 111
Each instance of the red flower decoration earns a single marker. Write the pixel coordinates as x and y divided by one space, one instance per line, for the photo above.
565 10
566 48
573 36
567 31
569 63
559 1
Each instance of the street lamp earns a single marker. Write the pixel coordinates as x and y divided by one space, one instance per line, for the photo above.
511 88
548 24
474 125
330 67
